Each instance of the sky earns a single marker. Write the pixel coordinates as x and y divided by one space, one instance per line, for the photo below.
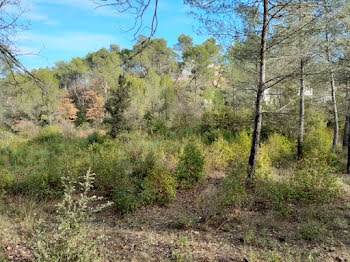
64 29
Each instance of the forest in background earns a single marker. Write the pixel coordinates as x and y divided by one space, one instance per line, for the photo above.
156 128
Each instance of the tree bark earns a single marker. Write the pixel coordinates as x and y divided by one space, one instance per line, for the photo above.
301 111
334 100
253 158
348 164
347 119
335 111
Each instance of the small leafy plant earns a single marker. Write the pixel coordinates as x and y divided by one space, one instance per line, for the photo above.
71 239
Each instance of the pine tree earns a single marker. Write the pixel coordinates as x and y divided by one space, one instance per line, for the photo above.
116 105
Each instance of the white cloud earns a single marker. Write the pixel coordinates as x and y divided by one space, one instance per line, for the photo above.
35 17
28 51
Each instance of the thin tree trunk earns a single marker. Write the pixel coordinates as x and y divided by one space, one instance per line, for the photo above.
335 112
234 100
334 100
346 132
348 164
301 111
259 98
347 119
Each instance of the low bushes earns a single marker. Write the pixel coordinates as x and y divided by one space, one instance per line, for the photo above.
315 181
311 182
224 122
280 150
135 170
50 134
145 182
159 187
190 168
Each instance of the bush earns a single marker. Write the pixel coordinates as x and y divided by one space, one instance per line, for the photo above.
126 196
315 181
109 160
190 168
233 156
159 126
224 119
50 134
313 231
71 239
6 179
96 137
37 166
219 155
143 179
240 153
264 166
318 141
233 190
159 187
312 182
280 150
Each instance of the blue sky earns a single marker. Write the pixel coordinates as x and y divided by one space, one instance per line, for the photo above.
63 29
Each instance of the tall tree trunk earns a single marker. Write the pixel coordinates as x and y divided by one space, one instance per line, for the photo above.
347 118
348 164
335 111
253 158
334 100
301 111
234 100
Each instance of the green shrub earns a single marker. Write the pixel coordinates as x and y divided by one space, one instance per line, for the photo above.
312 231
143 164
6 179
224 118
279 193
318 141
143 180
315 181
264 166
312 182
240 152
50 134
233 191
219 155
159 126
126 197
94 137
109 161
190 168
159 187
210 137
280 150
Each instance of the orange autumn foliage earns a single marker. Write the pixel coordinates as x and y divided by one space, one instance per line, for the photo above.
96 110
68 109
